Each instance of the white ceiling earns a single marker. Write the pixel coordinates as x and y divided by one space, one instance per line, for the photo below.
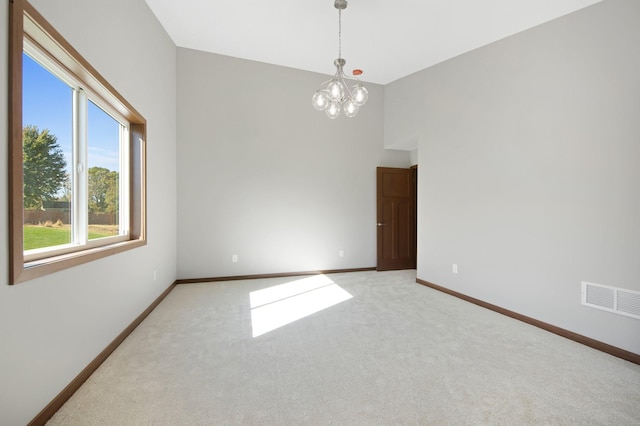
387 39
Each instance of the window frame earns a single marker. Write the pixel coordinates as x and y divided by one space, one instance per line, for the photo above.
82 96
26 22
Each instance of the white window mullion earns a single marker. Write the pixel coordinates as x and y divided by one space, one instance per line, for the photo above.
80 182
124 181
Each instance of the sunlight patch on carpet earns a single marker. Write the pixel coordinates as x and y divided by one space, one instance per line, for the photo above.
277 306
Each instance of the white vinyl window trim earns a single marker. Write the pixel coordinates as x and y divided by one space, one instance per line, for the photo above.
79 170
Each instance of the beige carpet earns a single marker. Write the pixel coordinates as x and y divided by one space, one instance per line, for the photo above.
379 350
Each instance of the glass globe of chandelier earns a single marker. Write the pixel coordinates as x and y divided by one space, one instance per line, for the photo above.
335 96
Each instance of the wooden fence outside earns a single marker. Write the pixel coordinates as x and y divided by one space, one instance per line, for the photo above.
35 217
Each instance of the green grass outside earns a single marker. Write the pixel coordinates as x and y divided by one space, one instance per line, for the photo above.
42 236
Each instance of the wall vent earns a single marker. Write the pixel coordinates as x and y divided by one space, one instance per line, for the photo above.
612 299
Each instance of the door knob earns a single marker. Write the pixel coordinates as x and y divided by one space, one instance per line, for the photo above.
380 224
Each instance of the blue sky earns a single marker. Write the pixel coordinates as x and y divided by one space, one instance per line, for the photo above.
47 103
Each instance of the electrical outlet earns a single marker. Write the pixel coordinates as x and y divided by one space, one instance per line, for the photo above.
234 258
155 274
341 253
455 268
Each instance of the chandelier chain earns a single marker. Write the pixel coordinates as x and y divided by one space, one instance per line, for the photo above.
339 33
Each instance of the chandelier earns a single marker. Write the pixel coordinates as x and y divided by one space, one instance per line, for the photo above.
334 96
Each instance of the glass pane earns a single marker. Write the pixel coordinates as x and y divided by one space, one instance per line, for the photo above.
47 156
103 149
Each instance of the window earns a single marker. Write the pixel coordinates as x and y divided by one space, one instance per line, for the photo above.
77 156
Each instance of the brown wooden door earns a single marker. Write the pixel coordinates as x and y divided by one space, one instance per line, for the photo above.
396 218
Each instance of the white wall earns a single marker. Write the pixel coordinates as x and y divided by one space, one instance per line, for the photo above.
51 328
529 168
263 175
413 154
